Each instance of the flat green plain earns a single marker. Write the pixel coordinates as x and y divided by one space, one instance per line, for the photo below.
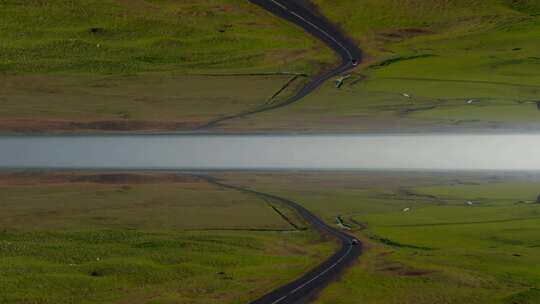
463 65
149 102
438 65
143 238
428 237
118 37
140 65
172 238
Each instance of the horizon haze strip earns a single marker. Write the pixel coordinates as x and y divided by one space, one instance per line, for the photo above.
416 152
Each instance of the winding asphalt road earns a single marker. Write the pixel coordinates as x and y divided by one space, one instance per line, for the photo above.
317 26
318 277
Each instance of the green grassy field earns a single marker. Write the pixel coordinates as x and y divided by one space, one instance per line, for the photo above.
90 237
118 37
430 65
465 65
142 238
441 249
445 53
150 102
142 65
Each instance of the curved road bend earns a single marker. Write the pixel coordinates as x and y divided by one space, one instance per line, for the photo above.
317 26
316 278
